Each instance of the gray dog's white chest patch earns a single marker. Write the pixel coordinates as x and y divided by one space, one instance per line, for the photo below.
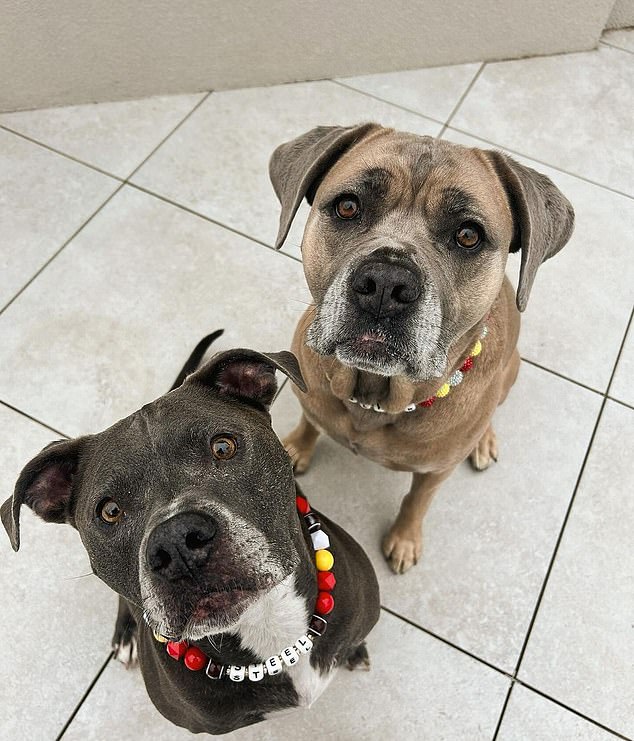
274 621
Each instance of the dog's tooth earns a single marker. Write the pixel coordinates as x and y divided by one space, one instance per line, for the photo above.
377 408
352 400
365 406
410 408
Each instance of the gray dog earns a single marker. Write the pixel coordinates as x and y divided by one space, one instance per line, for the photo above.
188 509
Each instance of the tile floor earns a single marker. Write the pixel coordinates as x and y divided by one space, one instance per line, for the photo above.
130 229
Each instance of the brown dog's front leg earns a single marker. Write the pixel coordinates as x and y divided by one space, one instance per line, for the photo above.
403 544
300 444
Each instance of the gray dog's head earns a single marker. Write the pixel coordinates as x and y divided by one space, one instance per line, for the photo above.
186 507
407 240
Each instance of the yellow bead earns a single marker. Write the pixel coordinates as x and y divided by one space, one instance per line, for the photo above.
324 560
159 637
477 349
443 390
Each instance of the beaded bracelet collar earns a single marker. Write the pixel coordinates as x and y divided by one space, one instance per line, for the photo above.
196 660
455 379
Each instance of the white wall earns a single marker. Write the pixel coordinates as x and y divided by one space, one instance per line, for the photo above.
55 52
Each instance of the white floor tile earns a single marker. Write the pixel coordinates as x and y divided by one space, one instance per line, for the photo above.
623 382
433 92
432 692
115 137
581 650
56 622
582 298
44 198
572 111
108 325
488 537
217 162
529 717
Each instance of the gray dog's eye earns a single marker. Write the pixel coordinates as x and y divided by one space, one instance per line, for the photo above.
347 207
109 511
468 236
224 447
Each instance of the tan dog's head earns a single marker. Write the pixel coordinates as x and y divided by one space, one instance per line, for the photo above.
407 241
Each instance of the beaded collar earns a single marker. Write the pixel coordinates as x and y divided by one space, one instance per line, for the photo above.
196 660
455 379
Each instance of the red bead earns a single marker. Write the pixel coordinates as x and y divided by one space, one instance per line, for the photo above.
427 402
195 659
325 581
324 604
466 366
177 649
302 505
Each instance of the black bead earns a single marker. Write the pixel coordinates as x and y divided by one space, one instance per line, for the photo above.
317 625
213 670
312 522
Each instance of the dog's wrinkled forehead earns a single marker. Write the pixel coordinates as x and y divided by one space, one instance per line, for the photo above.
408 171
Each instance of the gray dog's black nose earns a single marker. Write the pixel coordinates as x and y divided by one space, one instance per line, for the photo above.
178 547
384 288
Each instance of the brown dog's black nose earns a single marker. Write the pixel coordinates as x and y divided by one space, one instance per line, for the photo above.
178 547
384 288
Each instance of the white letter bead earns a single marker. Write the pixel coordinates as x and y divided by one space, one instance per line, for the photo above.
290 656
236 673
320 540
256 672
273 665
303 644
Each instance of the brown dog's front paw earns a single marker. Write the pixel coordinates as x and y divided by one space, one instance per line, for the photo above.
485 452
402 550
300 456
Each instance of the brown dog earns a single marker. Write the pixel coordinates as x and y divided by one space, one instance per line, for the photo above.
404 253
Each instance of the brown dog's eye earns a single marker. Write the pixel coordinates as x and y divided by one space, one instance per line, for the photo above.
223 447
347 207
109 511
468 236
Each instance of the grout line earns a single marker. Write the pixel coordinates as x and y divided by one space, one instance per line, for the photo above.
551 563
387 102
562 376
503 711
541 162
67 156
447 642
570 709
34 419
462 98
279 390
622 403
210 220
614 46
167 136
121 182
64 244
84 696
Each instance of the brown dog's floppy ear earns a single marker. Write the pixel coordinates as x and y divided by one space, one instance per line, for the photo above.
544 218
248 375
296 166
45 485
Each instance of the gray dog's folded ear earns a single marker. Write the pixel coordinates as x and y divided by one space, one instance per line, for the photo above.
296 166
248 375
544 218
45 485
